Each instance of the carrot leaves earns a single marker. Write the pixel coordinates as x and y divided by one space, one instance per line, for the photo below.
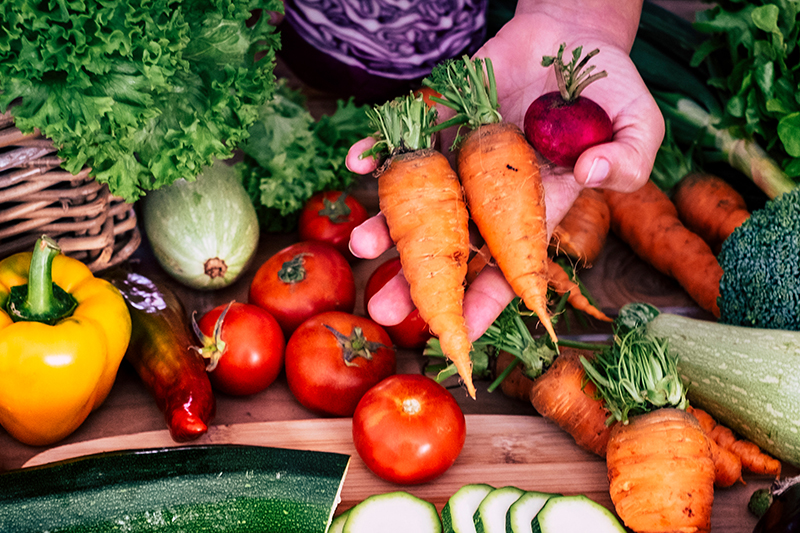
402 125
469 88
635 375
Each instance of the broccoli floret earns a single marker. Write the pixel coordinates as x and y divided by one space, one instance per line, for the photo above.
760 285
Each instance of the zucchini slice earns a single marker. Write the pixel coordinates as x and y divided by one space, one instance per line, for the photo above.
460 508
192 488
490 517
521 513
575 514
337 525
393 512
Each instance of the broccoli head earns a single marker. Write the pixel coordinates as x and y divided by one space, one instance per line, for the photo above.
760 285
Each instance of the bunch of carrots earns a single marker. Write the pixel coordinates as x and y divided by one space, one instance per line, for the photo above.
420 196
625 402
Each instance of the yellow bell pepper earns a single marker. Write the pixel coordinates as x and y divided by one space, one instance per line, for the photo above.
63 333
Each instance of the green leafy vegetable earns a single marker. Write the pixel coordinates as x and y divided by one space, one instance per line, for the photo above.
753 45
144 93
290 156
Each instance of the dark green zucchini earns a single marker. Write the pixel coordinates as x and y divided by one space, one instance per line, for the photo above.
225 488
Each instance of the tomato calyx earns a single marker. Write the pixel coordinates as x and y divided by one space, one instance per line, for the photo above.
213 346
293 270
356 345
337 212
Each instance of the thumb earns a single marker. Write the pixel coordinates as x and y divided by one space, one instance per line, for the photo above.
625 163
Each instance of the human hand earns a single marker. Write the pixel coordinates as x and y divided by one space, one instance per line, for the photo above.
623 164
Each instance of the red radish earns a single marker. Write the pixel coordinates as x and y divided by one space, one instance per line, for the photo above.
561 124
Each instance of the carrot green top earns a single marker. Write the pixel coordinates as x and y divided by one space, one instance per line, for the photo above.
636 374
468 87
402 125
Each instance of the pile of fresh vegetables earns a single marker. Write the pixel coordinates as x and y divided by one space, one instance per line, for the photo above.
143 93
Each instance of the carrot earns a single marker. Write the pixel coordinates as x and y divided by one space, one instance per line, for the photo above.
558 279
660 468
582 233
727 465
749 454
648 221
420 197
660 472
500 175
565 396
710 207
515 384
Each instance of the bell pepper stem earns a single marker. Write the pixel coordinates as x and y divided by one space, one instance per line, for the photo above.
41 300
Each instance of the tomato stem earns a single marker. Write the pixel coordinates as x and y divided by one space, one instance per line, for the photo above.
213 346
338 211
293 270
356 345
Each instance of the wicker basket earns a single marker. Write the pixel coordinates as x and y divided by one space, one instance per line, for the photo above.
37 197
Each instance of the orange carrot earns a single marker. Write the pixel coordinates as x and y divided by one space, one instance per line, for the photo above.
420 197
581 234
563 395
503 188
500 175
749 454
660 468
557 279
727 465
710 207
648 221
560 282
660 472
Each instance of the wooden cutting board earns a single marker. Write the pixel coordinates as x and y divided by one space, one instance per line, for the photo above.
525 451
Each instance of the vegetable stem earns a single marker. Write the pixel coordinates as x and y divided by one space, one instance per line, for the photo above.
41 300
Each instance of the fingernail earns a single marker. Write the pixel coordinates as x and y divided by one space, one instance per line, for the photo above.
598 172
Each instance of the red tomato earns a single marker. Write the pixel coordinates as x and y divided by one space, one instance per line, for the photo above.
302 280
330 217
408 429
412 332
333 358
250 347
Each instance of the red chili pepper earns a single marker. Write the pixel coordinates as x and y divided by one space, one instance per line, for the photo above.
160 351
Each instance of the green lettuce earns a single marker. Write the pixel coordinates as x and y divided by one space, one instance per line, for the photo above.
144 92
289 156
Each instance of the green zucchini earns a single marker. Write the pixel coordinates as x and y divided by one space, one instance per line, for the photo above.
458 512
747 378
490 517
337 525
575 514
393 512
195 488
522 512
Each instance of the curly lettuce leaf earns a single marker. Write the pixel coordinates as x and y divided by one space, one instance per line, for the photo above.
144 93
290 156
